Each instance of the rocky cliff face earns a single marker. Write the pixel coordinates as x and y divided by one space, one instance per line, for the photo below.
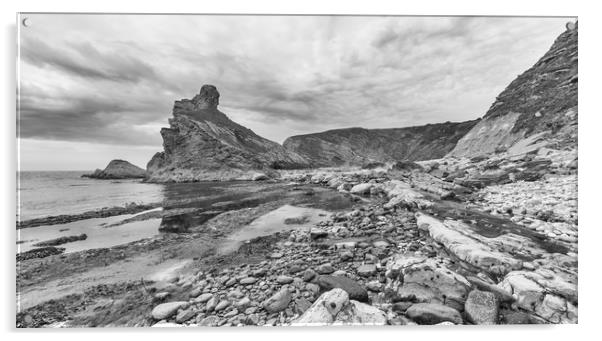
356 146
118 169
539 108
202 143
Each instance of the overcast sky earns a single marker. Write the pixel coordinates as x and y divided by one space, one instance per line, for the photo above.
98 87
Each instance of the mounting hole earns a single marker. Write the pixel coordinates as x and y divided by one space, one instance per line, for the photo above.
26 22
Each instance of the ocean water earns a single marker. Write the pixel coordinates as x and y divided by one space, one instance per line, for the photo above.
41 194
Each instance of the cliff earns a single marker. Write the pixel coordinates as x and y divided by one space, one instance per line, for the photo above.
356 146
118 169
202 143
538 108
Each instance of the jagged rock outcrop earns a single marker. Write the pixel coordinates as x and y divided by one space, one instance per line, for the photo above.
202 143
357 146
118 169
538 108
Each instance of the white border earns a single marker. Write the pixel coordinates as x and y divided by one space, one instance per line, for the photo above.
589 142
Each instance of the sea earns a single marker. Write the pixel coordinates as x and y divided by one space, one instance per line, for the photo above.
50 193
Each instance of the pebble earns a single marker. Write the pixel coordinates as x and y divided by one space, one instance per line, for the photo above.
165 310
309 274
185 315
222 305
375 286
203 298
325 269
366 270
243 303
248 281
284 279
278 302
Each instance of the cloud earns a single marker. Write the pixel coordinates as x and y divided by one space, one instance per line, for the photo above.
82 59
112 79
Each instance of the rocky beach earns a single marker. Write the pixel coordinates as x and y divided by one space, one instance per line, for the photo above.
407 247
455 223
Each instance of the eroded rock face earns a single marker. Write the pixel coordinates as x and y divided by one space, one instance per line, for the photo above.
202 143
538 107
358 146
118 169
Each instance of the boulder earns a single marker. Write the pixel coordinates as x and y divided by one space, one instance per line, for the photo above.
334 307
361 314
185 315
243 303
375 286
204 297
426 280
248 281
309 275
325 308
366 270
317 233
278 302
361 188
325 269
222 305
501 294
402 195
545 293
482 307
165 310
354 290
430 313
284 279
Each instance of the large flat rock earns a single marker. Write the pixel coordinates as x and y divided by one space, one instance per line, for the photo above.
427 280
467 245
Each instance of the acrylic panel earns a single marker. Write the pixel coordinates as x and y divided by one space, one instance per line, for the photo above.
285 170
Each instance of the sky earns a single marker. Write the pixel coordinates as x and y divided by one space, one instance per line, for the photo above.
93 88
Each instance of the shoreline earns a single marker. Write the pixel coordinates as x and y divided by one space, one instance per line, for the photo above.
395 216
197 244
